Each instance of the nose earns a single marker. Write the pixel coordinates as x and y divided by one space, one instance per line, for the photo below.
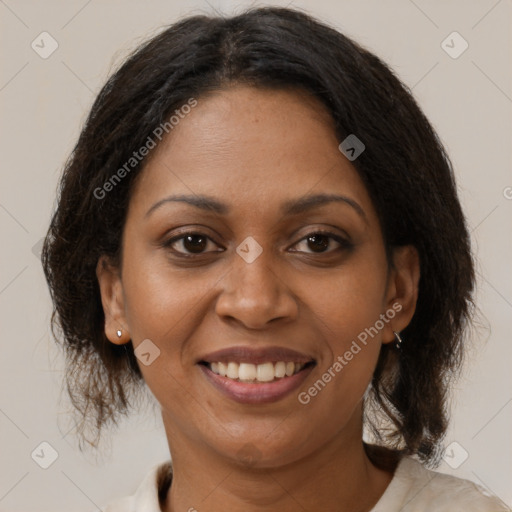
255 294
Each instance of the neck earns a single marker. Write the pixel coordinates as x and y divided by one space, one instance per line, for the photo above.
339 476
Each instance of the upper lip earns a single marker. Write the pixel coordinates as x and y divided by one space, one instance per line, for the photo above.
255 355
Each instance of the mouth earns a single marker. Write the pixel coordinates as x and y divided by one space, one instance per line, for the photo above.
252 376
249 372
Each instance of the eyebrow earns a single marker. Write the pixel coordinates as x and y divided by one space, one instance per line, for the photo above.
291 207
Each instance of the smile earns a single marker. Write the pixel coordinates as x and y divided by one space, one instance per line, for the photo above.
247 372
256 376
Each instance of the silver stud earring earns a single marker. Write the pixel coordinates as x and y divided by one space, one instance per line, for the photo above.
398 340
119 333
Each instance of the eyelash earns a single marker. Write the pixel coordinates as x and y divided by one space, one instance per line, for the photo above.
344 244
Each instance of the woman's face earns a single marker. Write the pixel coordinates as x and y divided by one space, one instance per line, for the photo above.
266 275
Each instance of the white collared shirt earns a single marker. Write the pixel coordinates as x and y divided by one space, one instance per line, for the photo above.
412 489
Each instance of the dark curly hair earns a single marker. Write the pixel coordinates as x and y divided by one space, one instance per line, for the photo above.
405 169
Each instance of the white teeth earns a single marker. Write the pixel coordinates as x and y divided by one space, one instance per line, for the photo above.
248 372
222 370
265 372
280 369
232 371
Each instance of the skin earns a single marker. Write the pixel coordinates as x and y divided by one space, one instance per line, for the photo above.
254 149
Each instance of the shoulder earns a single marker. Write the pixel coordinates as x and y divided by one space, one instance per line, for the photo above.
148 495
417 489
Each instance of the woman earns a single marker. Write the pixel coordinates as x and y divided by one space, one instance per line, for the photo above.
259 223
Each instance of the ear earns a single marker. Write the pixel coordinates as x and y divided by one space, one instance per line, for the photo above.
402 291
112 299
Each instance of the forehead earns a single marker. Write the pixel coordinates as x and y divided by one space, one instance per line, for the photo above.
252 148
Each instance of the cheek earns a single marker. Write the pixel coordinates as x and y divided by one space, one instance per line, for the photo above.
160 302
348 301
165 308
346 310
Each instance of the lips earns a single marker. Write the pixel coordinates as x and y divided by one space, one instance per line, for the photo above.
256 375
254 355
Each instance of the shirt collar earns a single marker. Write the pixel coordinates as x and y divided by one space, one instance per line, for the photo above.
150 495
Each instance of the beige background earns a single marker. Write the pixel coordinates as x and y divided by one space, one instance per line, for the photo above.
45 101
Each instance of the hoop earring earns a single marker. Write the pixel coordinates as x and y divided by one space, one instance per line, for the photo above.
398 340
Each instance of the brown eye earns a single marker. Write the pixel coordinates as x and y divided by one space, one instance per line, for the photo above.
195 243
189 244
320 242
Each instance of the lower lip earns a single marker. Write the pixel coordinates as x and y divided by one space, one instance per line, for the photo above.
256 392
